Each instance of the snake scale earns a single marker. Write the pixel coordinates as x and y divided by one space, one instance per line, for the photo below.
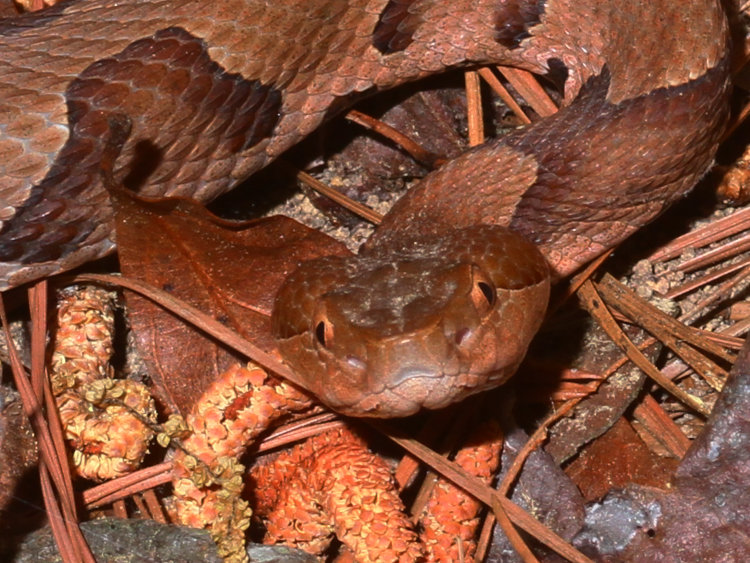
442 300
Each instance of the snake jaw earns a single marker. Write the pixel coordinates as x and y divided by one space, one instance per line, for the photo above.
386 334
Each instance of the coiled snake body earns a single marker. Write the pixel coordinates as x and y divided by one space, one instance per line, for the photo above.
444 297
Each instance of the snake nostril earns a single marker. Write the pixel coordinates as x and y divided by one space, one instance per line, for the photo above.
461 335
356 363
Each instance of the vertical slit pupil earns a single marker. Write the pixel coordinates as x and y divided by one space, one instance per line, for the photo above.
320 332
486 290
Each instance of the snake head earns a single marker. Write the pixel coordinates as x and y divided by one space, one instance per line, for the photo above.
422 324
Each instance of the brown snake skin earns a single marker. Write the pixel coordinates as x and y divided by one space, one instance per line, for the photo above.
215 90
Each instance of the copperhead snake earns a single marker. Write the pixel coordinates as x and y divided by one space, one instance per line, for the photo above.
444 298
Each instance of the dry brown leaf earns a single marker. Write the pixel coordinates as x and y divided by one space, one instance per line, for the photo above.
229 270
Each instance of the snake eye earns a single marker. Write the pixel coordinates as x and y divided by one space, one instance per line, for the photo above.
488 292
324 333
483 293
